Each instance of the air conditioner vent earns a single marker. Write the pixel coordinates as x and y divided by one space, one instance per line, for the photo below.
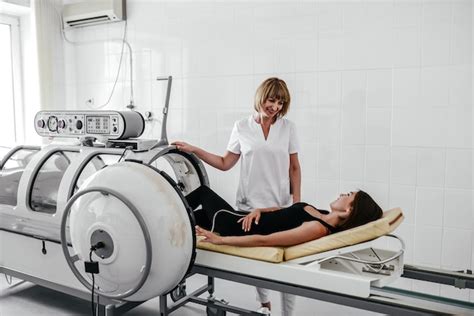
93 12
98 19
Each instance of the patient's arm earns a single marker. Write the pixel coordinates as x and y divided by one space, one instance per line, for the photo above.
255 216
209 236
306 232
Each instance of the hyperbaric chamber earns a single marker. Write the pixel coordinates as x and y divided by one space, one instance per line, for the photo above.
63 199
159 200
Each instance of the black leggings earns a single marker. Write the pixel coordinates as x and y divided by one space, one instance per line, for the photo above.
225 223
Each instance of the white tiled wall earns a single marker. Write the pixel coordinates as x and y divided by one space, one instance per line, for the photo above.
382 96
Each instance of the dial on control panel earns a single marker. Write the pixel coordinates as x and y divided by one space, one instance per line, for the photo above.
53 123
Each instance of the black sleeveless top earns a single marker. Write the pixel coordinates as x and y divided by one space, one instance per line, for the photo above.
289 218
285 219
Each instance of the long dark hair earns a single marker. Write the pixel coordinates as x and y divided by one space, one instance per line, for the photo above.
364 210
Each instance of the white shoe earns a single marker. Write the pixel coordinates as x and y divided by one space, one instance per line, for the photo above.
264 311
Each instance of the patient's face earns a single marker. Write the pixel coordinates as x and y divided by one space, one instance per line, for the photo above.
343 202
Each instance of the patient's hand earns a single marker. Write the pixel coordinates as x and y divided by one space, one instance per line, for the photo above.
209 236
247 220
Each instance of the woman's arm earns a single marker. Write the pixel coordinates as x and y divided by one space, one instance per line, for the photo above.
306 232
295 178
223 163
254 216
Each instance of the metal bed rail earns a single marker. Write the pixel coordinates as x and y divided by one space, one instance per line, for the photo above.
459 279
378 302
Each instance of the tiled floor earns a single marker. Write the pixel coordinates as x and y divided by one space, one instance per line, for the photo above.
26 299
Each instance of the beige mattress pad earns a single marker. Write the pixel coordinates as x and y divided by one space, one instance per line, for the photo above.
390 220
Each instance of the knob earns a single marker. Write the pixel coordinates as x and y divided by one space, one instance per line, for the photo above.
41 123
79 124
53 124
114 129
62 124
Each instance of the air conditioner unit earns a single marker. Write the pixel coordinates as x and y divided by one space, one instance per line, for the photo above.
93 12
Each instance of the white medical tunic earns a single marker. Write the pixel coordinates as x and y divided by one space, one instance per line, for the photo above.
265 164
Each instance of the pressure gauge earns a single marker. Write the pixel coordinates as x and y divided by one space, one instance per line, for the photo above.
53 124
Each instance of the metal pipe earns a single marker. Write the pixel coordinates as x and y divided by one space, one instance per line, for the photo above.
164 137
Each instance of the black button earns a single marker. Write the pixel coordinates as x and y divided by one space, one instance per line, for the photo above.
79 124
41 123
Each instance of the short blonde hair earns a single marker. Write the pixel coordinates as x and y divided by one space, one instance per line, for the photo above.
273 88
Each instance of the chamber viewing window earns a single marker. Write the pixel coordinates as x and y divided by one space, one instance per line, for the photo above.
44 192
4 151
182 169
11 173
163 165
95 164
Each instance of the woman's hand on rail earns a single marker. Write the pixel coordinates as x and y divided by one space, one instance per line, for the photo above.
183 146
209 236
247 220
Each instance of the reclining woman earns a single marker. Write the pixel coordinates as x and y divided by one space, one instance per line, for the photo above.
220 224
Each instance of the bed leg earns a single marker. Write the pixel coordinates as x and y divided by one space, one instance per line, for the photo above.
163 305
108 310
210 284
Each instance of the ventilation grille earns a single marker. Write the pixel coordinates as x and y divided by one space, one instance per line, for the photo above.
87 21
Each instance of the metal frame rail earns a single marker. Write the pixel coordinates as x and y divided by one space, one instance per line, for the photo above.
461 280
210 302
374 303
461 307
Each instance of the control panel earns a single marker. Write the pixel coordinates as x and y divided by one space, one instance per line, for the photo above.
101 124
109 124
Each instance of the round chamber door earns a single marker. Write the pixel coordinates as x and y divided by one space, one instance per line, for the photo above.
105 215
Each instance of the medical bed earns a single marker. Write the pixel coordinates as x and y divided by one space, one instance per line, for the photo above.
386 300
346 268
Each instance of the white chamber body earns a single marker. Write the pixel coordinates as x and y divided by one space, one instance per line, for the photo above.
165 215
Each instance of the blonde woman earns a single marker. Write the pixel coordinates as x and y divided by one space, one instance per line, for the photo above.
270 173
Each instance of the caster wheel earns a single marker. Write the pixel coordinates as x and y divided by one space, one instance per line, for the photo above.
178 292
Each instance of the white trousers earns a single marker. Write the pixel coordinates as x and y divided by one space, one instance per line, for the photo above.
287 301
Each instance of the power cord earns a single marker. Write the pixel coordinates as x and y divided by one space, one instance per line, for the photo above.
92 267
93 287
